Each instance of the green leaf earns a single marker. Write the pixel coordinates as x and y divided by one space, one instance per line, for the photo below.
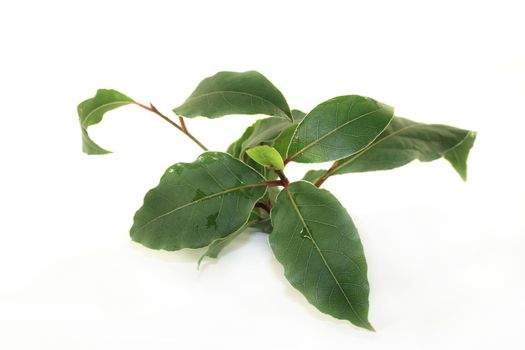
338 128
267 156
282 142
266 130
313 175
197 203
262 131
458 155
297 115
263 226
235 93
318 245
215 248
92 110
404 141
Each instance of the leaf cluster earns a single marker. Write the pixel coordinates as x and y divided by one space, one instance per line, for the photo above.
209 202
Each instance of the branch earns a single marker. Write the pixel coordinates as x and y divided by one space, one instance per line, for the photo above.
182 128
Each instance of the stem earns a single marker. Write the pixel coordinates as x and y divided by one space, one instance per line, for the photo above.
182 124
284 180
289 159
182 128
326 175
274 183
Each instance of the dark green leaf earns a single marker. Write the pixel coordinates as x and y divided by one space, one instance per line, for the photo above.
262 131
263 226
91 111
215 248
297 115
266 130
235 93
273 191
235 149
458 155
264 223
313 175
197 203
266 156
282 142
317 243
404 141
338 128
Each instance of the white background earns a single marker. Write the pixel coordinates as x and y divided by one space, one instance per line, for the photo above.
446 258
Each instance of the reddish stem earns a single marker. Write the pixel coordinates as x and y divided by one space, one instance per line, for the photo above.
284 180
154 109
326 175
274 183
183 124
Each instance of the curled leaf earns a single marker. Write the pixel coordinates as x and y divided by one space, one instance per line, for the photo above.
92 110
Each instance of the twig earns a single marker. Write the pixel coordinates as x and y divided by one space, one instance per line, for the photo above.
181 127
326 175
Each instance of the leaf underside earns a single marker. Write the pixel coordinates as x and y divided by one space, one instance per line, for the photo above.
91 111
198 203
318 245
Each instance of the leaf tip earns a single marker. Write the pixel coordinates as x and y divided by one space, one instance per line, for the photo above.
369 327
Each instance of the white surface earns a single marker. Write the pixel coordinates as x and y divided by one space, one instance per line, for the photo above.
446 259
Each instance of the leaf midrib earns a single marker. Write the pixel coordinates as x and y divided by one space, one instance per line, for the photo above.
210 196
90 114
331 132
376 142
236 92
312 239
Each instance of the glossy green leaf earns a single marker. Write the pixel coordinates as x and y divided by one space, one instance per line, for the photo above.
338 128
197 203
404 141
458 155
267 156
317 243
235 93
92 110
